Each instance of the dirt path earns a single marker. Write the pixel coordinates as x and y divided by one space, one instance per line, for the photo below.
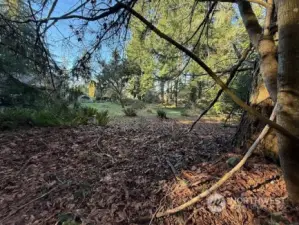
113 175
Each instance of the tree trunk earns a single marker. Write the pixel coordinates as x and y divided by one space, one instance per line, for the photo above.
176 90
121 101
250 127
162 91
265 46
288 92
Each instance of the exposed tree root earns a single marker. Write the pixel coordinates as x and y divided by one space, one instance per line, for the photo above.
222 180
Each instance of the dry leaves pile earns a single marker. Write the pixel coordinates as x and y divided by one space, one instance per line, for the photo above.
117 174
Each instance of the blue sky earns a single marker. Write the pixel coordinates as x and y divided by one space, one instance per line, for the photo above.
63 44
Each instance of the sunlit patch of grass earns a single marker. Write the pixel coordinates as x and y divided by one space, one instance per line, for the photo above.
114 109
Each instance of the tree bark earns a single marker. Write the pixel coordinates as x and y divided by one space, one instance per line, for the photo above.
288 92
162 91
265 46
176 90
250 127
262 89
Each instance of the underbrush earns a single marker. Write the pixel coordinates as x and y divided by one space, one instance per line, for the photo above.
130 112
53 115
161 114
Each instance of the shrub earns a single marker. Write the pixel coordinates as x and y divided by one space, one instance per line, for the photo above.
161 114
87 115
149 111
102 118
51 115
11 118
138 105
134 103
89 112
46 118
130 112
151 97
184 113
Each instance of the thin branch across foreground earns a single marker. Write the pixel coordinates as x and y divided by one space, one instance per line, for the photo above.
233 72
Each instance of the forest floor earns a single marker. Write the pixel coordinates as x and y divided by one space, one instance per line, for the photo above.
117 174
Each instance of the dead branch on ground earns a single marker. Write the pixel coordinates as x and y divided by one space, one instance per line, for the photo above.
218 184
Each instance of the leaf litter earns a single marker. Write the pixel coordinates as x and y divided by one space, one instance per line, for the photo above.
117 174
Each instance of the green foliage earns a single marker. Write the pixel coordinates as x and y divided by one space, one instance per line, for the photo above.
136 104
130 112
89 112
161 114
102 118
11 118
68 219
88 115
150 97
162 63
116 74
51 115
149 111
233 161
184 113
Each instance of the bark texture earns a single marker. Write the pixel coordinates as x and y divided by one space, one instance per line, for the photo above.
263 88
288 92
250 127
269 65
251 23
265 46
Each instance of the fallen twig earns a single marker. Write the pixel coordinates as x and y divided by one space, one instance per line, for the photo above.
172 169
223 179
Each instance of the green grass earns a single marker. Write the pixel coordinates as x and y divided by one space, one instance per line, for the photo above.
115 109
116 113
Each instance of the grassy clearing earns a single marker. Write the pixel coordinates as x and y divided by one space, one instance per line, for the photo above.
150 111
115 109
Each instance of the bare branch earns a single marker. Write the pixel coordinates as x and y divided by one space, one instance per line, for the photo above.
225 177
232 74
260 2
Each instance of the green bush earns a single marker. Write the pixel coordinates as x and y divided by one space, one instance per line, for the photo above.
161 114
151 97
138 105
130 112
89 112
149 111
46 118
102 118
88 115
134 103
184 113
51 115
11 118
